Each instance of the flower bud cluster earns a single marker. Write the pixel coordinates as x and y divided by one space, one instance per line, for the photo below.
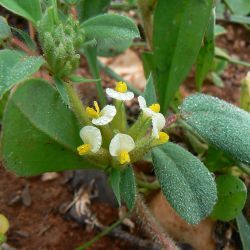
59 41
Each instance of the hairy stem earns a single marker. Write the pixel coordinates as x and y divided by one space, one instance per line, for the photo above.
151 225
76 104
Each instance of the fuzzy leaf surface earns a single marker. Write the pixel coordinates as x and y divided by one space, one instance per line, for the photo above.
113 33
128 187
185 181
40 134
222 124
16 67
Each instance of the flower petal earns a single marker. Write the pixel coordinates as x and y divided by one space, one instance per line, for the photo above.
148 112
92 135
127 96
158 122
106 116
142 102
121 142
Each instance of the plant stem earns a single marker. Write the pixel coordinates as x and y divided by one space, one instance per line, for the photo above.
146 8
91 56
148 185
244 168
151 225
115 76
76 104
103 233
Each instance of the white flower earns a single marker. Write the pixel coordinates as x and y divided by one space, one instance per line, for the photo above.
158 122
120 146
120 92
148 111
92 139
101 117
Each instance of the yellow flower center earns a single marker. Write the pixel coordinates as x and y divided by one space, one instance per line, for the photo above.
93 112
83 149
155 107
163 137
121 87
124 157
4 224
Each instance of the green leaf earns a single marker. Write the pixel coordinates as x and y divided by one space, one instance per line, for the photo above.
240 7
232 194
185 181
3 101
90 8
206 55
113 33
29 9
26 38
222 124
128 187
216 79
149 92
15 67
179 27
147 58
219 30
40 134
217 160
115 178
244 230
62 91
5 31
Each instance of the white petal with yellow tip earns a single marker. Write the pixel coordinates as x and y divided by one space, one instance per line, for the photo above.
158 122
91 136
106 116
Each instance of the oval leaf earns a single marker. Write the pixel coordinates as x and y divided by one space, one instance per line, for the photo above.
39 133
185 181
113 33
89 8
16 67
220 123
29 9
232 194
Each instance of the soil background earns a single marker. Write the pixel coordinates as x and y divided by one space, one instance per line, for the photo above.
33 206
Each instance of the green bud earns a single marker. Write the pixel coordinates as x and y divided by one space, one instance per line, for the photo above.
60 42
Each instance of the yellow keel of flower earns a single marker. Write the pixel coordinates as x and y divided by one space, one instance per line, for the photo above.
93 112
84 149
155 107
121 87
124 157
163 137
